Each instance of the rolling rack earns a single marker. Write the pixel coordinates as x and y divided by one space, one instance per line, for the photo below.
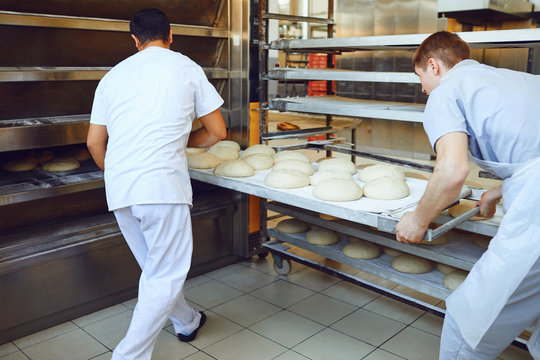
459 252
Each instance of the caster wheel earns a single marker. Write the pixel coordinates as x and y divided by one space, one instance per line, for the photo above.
285 267
263 255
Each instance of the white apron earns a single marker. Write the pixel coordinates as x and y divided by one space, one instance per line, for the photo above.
478 301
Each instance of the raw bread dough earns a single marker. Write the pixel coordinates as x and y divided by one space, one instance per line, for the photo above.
226 143
203 160
481 241
224 153
328 174
377 171
259 149
290 155
78 154
286 179
61 164
361 249
464 206
445 269
411 264
454 279
259 161
392 252
386 188
193 150
321 237
234 168
18 165
328 217
292 226
337 164
302 166
337 190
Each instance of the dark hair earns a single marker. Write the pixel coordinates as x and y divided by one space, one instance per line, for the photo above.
149 25
444 46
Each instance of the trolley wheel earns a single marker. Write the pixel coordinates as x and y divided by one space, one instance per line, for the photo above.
263 255
285 267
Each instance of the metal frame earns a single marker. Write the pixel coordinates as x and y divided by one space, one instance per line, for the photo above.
342 75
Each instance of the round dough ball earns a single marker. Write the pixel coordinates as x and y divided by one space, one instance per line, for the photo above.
361 249
322 237
464 206
454 279
302 166
19 165
259 161
290 155
203 160
411 264
445 269
286 179
78 154
337 164
226 143
328 217
337 190
234 168
392 252
323 175
259 149
386 188
481 241
193 150
61 164
292 226
377 171
224 153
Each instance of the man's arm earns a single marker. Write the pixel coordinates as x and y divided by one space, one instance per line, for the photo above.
488 201
444 186
96 141
213 130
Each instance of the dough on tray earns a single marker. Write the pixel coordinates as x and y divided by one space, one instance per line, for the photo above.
290 155
234 168
453 279
481 241
292 226
259 149
329 174
337 190
300 165
259 161
194 150
286 179
203 160
411 264
226 143
392 252
378 171
386 188
361 249
445 269
323 237
328 217
337 164
18 165
224 153
464 206
61 164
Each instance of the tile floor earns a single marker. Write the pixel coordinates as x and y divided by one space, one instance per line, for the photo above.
255 314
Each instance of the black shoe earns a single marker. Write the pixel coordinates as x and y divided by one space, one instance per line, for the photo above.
191 337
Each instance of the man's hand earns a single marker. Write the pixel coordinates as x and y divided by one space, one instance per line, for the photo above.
488 201
409 229
213 130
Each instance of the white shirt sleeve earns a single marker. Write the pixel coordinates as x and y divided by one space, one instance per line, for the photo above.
99 110
443 115
207 99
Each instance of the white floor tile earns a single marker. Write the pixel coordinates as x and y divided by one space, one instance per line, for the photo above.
45 335
225 271
199 356
196 281
313 279
15 356
350 293
382 355
282 293
111 330
332 345
211 293
100 315
246 310
376 280
130 303
106 356
287 328
291 355
246 279
322 309
369 327
429 323
74 345
394 309
7 348
414 344
245 345
168 347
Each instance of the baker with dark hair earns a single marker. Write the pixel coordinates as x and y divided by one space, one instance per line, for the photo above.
492 116
139 129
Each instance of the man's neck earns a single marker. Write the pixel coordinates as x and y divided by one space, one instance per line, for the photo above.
158 43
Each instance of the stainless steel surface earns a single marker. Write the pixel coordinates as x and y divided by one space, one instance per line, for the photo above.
432 234
298 133
342 75
485 10
335 105
286 17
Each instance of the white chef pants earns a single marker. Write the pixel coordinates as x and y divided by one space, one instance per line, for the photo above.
521 311
159 235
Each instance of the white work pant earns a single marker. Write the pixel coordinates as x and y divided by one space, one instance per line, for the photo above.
521 311
159 235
